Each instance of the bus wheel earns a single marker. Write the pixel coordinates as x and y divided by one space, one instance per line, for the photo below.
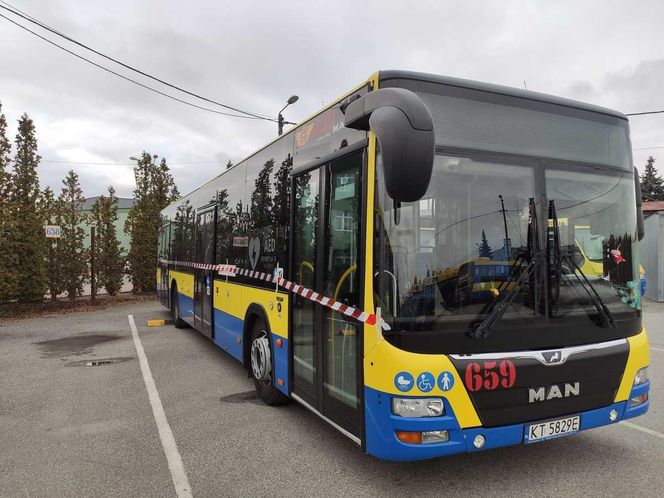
177 320
261 365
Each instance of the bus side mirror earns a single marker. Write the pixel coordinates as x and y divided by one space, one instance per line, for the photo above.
640 230
404 129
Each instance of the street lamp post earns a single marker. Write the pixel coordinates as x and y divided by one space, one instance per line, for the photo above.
280 117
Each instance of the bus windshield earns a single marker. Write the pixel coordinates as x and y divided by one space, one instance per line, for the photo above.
443 262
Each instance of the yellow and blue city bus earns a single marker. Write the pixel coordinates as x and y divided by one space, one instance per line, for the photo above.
328 263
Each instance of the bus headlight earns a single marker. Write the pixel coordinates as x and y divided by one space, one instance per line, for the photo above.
418 407
641 376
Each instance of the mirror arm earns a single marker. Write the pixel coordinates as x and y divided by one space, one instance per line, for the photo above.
404 129
640 229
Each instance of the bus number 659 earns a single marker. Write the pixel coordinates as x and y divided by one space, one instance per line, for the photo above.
490 375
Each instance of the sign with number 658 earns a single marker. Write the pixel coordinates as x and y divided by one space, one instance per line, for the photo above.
53 231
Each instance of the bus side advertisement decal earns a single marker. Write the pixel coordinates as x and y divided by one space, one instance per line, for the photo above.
232 270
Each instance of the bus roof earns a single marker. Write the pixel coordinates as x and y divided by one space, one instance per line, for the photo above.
390 74
499 89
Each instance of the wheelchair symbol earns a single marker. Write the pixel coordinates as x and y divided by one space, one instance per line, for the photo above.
425 382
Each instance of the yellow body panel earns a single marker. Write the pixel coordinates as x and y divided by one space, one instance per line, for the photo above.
185 282
639 357
235 299
372 334
385 361
382 361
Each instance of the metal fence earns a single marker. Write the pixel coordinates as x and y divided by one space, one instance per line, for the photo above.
652 256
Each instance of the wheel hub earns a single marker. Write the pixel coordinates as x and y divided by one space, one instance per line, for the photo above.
261 360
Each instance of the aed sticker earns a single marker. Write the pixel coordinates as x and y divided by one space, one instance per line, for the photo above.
425 382
445 381
404 381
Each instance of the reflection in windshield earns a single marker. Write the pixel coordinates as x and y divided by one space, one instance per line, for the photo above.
461 249
590 244
599 206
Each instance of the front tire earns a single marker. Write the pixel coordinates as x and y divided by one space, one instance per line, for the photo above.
261 365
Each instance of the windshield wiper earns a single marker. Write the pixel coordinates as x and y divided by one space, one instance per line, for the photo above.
602 310
554 258
484 328
555 271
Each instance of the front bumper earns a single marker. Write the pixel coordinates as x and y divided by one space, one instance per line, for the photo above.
381 425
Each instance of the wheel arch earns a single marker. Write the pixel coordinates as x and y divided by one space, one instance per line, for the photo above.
171 294
254 312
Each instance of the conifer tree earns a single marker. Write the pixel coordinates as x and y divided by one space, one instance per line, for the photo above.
8 272
109 258
71 248
652 185
155 189
52 216
281 207
30 240
485 249
261 199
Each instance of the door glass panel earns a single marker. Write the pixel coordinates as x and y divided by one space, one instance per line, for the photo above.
304 273
341 280
204 254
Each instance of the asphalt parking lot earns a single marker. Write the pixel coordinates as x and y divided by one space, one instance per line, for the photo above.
70 428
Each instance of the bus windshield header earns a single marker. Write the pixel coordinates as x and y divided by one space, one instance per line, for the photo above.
472 119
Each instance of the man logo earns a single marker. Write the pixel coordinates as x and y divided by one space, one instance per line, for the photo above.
553 392
551 357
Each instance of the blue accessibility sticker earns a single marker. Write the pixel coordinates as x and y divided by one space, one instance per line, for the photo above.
425 382
404 381
445 381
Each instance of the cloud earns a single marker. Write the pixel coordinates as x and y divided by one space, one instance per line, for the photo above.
256 55
636 88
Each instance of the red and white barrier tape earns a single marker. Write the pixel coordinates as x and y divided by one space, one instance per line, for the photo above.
232 271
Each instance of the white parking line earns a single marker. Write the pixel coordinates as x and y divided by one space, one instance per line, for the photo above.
643 429
657 349
178 474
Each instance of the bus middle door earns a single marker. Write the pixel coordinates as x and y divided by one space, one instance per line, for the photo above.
203 288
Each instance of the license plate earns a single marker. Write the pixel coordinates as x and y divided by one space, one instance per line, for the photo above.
552 429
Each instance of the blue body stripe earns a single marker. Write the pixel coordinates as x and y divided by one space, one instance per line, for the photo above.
381 425
227 331
280 362
228 336
186 307
635 411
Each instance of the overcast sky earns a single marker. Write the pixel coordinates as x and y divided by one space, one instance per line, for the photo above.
254 55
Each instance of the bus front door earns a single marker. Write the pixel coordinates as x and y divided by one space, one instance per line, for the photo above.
326 251
205 224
